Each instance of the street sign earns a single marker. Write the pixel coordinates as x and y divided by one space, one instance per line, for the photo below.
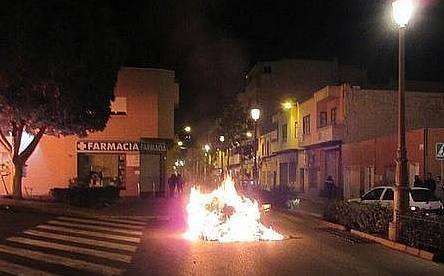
440 151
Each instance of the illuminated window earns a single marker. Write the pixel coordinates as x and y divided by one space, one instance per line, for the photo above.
118 106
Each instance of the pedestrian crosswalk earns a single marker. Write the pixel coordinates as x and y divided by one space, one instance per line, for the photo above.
73 246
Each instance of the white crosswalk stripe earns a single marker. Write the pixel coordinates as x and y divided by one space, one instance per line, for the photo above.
105 223
93 227
15 269
89 233
90 245
74 249
65 261
59 237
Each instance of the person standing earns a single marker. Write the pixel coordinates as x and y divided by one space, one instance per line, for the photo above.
330 187
180 183
430 183
418 182
172 180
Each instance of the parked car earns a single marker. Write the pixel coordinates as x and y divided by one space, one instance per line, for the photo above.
421 199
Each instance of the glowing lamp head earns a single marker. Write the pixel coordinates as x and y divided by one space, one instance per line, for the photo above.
207 148
255 113
287 105
179 143
249 134
402 12
187 129
222 138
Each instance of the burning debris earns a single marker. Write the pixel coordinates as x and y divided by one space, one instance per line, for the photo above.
224 215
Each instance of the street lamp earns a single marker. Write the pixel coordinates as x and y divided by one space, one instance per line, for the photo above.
249 134
402 11
180 143
206 148
255 115
222 153
187 129
287 105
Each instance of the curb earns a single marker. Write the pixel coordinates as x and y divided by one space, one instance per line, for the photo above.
316 216
423 254
80 213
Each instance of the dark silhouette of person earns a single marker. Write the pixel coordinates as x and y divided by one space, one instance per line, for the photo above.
179 183
172 182
418 182
430 183
330 187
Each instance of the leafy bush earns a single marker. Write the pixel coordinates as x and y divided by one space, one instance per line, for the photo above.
370 218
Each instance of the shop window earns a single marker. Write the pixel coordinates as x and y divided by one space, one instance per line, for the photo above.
306 124
322 119
101 169
333 116
284 132
118 106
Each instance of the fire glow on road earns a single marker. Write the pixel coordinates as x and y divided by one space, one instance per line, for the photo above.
225 216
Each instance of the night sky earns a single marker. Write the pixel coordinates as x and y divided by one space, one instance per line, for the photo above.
212 43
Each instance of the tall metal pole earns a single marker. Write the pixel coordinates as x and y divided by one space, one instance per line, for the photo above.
401 198
255 172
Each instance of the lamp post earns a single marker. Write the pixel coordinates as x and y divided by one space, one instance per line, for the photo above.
206 149
255 115
402 11
222 153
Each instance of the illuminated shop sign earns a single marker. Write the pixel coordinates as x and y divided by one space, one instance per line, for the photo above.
121 146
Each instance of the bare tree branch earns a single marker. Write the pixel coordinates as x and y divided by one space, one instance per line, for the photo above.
31 147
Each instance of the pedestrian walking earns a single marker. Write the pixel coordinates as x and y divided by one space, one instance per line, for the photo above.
180 183
172 180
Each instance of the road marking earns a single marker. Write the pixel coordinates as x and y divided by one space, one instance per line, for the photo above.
126 221
15 269
73 249
92 227
89 233
59 260
105 223
79 240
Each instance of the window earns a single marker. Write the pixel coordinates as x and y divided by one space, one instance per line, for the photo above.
268 147
263 148
322 119
284 132
118 106
296 129
422 195
373 194
333 116
267 69
388 195
306 124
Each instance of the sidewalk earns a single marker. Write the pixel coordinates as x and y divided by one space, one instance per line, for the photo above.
157 208
313 206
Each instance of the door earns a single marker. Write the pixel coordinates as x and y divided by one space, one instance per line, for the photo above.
331 164
149 174
283 174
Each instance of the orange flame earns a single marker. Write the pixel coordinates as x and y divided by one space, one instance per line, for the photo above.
224 215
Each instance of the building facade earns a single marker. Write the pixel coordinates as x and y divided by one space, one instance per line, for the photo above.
133 151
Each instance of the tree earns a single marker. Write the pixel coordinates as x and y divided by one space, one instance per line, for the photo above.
233 125
58 67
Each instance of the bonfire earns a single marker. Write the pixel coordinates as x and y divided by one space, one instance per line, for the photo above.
225 216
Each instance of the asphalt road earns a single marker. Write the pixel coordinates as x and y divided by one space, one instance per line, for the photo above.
311 250
33 244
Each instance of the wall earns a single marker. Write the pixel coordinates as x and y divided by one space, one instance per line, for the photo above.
55 160
373 113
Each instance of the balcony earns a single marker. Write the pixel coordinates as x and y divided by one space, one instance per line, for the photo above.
322 135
